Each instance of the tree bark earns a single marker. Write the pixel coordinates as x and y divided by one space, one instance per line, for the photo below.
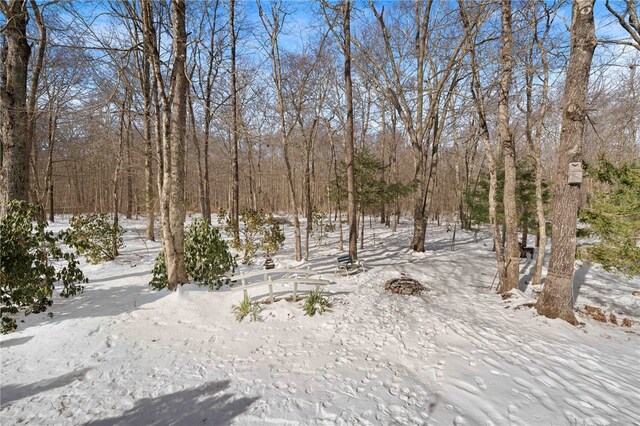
235 188
512 253
53 126
556 300
145 78
176 270
116 172
14 155
350 160
34 82
173 132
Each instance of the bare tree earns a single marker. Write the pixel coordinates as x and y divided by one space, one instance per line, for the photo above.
628 19
472 28
534 126
512 253
556 300
173 102
273 26
416 85
235 188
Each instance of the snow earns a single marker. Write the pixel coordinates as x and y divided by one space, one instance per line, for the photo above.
123 354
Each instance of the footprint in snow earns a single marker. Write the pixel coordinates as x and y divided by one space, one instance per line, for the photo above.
480 383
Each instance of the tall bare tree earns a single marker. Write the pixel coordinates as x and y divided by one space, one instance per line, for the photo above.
273 25
472 25
556 300
234 214
512 253
173 103
416 85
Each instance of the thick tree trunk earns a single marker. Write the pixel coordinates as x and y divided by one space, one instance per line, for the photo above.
173 131
36 71
176 271
512 253
14 155
556 300
351 181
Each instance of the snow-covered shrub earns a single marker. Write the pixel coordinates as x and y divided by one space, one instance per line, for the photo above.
159 280
95 236
247 308
27 274
315 303
206 254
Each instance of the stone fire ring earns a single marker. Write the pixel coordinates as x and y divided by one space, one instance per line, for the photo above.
405 285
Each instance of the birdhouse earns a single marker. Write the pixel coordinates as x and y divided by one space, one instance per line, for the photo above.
575 173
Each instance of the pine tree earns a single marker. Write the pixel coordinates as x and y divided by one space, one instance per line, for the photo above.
614 217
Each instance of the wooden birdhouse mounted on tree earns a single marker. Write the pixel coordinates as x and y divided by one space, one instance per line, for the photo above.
575 173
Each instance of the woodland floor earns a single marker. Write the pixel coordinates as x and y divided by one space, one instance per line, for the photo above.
121 353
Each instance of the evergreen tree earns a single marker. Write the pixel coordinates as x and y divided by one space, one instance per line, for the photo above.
614 217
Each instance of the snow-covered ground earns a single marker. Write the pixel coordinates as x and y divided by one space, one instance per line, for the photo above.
122 354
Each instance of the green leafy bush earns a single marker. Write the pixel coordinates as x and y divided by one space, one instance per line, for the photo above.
207 257
27 272
315 303
613 215
94 236
258 232
247 308
272 237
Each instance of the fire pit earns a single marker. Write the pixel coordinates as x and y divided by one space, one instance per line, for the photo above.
404 285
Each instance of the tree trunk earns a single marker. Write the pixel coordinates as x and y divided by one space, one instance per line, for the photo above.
116 172
351 181
173 131
174 191
512 253
53 126
130 196
556 300
36 71
14 155
273 28
476 93
148 151
541 239
235 188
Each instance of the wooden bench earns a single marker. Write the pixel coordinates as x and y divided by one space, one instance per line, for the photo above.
345 264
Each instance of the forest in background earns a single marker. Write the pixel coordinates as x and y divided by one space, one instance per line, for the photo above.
421 110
